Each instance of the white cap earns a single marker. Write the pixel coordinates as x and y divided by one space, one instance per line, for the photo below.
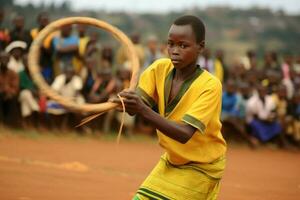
15 44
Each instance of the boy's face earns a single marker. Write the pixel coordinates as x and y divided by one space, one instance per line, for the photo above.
183 48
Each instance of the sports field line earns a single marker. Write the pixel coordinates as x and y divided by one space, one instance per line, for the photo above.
71 166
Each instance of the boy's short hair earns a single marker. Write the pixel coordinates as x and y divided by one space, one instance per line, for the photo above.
196 23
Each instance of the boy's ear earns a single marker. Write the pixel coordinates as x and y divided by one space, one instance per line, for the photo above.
201 46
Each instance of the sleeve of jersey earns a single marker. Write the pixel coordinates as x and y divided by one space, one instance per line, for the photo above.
204 108
146 88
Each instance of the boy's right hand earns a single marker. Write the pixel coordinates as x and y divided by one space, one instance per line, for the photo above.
133 103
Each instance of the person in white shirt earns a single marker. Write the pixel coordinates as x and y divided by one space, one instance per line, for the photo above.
67 85
16 50
261 115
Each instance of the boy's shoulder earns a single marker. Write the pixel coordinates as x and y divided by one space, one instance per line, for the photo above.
208 81
162 62
160 65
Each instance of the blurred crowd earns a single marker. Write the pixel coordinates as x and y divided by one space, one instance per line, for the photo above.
260 102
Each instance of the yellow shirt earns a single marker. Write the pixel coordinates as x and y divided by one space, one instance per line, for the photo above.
198 103
219 71
48 39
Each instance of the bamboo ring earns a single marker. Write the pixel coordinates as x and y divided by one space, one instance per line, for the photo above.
34 68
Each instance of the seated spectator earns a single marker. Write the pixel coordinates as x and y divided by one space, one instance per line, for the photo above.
16 50
9 88
261 115
68 85
123 83
272 81
293 112
233 110
281 101
103 87
230 100
88 75
28 97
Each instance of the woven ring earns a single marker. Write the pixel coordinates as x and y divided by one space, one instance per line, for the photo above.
34 68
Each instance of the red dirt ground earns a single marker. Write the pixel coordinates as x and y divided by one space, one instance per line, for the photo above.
64 168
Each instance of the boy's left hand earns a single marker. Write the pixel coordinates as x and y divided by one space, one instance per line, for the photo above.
133 103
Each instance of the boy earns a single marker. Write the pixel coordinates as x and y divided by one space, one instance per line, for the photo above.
188 100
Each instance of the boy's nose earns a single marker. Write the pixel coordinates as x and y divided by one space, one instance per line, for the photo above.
175 50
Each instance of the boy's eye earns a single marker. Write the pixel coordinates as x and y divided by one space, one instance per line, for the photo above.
170 44
183 46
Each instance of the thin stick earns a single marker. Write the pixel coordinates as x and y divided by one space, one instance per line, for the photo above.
92 117
122 120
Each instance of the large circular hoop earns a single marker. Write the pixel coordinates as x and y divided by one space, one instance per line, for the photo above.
34 68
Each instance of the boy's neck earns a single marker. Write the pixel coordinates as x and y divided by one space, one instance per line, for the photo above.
185 73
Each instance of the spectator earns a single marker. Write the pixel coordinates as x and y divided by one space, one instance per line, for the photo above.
270 61
19 33
287 66
82 46
9 88
230 100
281 101
46 56
272 81
164 50
122 83
205 61
103 87
250 60
261 115
233 110
288 74
237 72
4 33
93 50
122 57
68 85
152 52
219 65
107 58
88 75
66 50
28 96
297 66
16 49
293 112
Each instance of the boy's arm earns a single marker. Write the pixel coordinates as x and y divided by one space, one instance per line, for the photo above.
134 105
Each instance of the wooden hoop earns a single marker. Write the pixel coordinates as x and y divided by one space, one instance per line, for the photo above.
34 68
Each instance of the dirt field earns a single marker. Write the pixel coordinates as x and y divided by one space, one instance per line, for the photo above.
65 168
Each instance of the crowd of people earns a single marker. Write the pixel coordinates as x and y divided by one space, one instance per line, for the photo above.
260 102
